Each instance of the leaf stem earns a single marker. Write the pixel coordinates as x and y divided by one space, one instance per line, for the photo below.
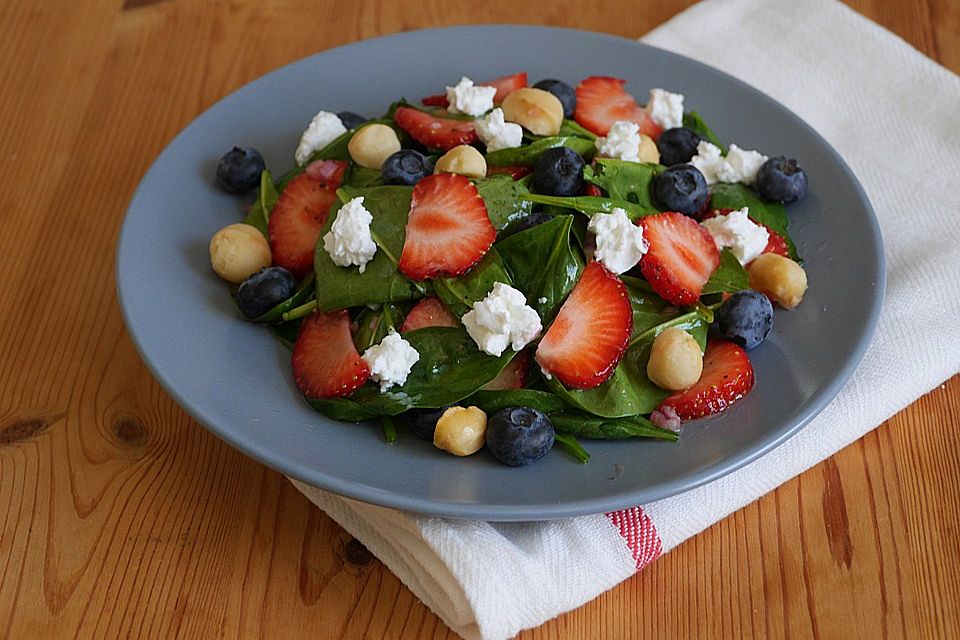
300 312
700 311
389 429
569 442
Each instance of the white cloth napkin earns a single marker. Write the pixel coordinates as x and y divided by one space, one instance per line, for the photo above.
894 115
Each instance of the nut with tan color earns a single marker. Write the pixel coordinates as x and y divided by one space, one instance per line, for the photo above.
536 110
238 251
676 361
648 150
373 144
780 279
464 160
461 430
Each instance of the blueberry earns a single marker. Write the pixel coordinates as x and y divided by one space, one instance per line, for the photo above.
680 188
407 167
350 119
423 422
264 290
564 92
781 179
239 170
558 172
517 436
744 318
677 146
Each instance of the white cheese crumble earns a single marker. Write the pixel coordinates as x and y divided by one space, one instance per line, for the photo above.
621 142
502 318
736 231
542 300
665 108
496 133
349 241
391 360
620 243
740 165
324 129
470 99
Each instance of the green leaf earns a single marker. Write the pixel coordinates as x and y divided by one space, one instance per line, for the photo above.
694 122
573 128
590 205
502 197
374 324
361 177
569 442
493 401
729 276
259 213
622 180
766 212
342 287
544 263
459 294
649 309
304 292
588 426
529 153
287 332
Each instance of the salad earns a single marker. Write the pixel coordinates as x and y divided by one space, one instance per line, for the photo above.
512 267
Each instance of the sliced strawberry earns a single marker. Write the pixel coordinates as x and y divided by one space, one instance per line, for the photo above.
681 257
602 100
296 221
325 361
515 171
328 172
590 333
433 132
438 100
727 376
448 230
512 376
429 312
592 190
506 85
776 244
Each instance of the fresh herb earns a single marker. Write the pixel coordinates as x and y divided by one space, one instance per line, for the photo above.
259 213
693 121
529 153
587 426
621 180
569 442
590 205
729 276
459 294
503 198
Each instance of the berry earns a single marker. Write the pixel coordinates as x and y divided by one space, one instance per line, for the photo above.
727 376
677 146
512 376
325 361
558 172
680 258
745 318
264 290
564 92
433 132
517 436
406 167
776 244
506 85
428 312
239 170
423 422
590 333
680 188
296 221
328 172
601 101
782 180
515 171
350 119
591 189
448 229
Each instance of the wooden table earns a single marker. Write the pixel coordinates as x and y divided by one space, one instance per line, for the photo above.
122 517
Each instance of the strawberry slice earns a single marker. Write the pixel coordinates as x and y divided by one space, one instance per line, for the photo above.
602 100
591 189
505 86
512 376
776 244
436 100
515 171
727 376
429 312
296 221
325 361
590 333
448 230
433 132
681 257
328 172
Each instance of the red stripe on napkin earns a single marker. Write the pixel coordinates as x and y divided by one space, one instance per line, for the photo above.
638 532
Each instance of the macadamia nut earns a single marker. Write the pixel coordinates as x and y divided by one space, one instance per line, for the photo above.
238 251
462 159
780 279
648 150
675 360
461 430
373 144
538 111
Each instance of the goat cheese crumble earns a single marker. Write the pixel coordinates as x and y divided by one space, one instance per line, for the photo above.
349 241
621 142
496 133
502 319
323 129
736 231
469 98
390 361
665 108
620 243
740 165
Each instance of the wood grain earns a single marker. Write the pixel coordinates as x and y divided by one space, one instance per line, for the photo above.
121 517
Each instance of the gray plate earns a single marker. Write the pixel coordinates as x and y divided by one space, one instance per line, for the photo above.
235 379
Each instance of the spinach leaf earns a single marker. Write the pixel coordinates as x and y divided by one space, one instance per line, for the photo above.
588 426
623 180
694 122
259 213
766 212
361 177
573 128
502 197
493 401
649 309
287 332
590 205
569 442
304 292
374 324
459 294
729 276
529 153
544 263
342 287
